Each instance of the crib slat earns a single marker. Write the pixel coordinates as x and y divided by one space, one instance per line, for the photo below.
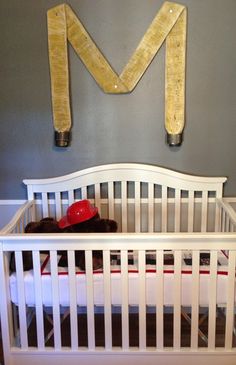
90 301
45 204
97 201
218 195
142 300
8 322
232 227
125 296
17 228
111 200
177 209
21 226
58 205
137 213
227 223
177 299
32 213
84 192
159 300
124 206
150 207
28 215
164 209
71 197
190 210
222 220
230 301
195 299
204 211
21 300
38 300
212 300
107 299
73 300
55 298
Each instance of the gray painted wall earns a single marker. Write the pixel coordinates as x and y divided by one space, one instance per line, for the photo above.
115 128
7 211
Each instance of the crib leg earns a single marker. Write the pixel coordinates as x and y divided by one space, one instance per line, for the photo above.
188 319
222 312
50 333
15 326
203 317
30 313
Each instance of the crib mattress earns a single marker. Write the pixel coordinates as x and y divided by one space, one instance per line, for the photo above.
116 286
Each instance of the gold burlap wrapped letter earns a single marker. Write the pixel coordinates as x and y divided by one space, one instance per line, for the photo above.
169 24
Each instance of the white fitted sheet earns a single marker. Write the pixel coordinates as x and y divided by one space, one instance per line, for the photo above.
133 286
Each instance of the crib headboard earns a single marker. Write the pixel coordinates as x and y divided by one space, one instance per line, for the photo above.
142 198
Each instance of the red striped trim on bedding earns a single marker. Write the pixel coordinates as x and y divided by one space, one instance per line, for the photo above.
44 264
130 271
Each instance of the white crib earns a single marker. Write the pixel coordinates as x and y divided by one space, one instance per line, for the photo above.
159 212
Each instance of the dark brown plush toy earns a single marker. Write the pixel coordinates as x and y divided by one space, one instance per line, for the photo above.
45 225
81 217
92 225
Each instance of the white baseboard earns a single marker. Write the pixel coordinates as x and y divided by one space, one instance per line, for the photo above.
9 207
12 202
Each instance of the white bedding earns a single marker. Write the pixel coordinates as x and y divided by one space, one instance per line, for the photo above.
151 287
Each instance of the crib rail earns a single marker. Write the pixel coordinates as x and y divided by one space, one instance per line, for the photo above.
24 215
16 329
228 216
141 198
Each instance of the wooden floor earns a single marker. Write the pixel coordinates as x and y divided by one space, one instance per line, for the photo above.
133 331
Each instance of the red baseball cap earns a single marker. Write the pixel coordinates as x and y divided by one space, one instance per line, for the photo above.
78 212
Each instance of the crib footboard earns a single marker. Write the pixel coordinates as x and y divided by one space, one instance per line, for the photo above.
176 296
